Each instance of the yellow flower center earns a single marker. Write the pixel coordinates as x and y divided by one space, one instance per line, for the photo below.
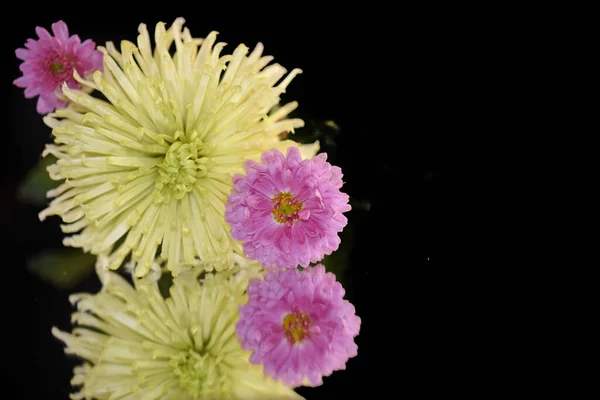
192 369
286 208
61 66
180 169
56 67
295 326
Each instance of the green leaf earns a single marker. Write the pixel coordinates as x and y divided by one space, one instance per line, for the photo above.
63 268
37 182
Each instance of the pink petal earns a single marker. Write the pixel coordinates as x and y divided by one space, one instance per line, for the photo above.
32 91
298 234
294 157
44 106
304 214
74 41
324 347
60 30
86 49
32 44
22 54
23 81
42 33
314 202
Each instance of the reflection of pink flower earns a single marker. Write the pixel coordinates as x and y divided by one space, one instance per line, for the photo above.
50 61
287 211
298 325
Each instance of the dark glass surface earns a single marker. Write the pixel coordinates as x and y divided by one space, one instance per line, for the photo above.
386 93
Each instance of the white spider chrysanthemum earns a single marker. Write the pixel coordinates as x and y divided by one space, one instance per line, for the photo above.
148 172
139 345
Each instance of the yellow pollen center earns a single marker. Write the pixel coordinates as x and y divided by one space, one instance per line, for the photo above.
286 208
56 67
296 326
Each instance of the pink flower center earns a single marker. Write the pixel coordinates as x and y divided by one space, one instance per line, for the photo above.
61 67
295 326
286 208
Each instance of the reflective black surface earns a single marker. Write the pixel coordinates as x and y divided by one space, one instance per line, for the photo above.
388 93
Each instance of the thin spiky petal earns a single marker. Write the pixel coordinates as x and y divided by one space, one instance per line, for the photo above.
138 345
147 172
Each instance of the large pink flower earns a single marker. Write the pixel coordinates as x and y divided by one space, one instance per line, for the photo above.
50 61
297 324
287 211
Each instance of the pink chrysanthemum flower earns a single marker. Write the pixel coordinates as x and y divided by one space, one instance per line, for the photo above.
297 324
50 61
287 211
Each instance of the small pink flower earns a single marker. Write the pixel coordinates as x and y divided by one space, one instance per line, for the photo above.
50 61
298 325
287 211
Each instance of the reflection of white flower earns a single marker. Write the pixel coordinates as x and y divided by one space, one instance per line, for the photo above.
139 345
148 172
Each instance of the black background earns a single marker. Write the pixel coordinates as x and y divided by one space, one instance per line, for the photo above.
392 85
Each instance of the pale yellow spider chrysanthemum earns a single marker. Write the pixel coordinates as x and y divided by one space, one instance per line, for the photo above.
148 172
139 345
